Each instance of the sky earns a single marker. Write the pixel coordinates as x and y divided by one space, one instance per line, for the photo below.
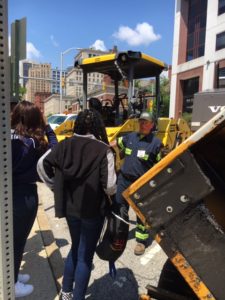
53 26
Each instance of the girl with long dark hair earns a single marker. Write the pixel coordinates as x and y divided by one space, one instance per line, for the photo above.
81 172
28 130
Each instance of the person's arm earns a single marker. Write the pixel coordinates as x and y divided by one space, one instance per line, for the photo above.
108 173
46 167
51 136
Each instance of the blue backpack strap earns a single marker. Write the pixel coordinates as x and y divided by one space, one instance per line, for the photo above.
112 269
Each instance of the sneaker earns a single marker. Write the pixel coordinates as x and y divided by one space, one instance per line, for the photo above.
66 296
139 249
24 278
22 290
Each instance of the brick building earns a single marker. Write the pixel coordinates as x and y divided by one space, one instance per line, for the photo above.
198 51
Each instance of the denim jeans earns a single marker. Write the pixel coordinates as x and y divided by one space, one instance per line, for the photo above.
84 235
25 205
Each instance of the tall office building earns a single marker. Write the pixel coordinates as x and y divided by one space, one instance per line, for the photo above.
39 80
198 51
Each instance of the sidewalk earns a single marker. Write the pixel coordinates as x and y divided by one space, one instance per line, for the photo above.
42 260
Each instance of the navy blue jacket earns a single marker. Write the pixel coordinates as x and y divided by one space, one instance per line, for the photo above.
25 155
141 153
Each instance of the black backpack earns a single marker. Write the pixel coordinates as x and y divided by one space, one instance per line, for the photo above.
115 236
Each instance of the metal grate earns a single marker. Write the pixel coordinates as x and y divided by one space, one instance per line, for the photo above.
6 229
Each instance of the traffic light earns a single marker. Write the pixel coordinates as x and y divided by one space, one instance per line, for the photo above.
63 82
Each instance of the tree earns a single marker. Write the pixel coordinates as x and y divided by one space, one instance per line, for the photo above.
22 92
165 96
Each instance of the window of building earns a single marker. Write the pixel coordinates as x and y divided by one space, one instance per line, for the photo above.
196 29
220 41
190 87
71 83
221 78
221 7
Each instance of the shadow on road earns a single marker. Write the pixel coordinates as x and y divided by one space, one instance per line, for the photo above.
124 286
36 264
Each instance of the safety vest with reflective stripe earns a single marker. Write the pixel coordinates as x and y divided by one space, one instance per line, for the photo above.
141 153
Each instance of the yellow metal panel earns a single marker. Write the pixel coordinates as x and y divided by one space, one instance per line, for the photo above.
191 277
156 169
97 59
152 59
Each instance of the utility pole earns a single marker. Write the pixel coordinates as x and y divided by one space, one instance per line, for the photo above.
62 75
6 223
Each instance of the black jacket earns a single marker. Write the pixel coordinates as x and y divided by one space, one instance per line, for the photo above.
81 170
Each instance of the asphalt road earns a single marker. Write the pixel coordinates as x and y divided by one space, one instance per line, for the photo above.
133 272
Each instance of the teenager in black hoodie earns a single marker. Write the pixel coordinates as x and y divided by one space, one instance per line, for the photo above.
81 172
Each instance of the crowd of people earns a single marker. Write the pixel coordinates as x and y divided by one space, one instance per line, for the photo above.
81 173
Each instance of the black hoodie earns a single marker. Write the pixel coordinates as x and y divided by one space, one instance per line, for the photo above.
83 170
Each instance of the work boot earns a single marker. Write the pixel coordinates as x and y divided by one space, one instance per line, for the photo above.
24 278
22 290
66 296
139 249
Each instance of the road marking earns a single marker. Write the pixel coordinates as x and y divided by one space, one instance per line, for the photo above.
150 254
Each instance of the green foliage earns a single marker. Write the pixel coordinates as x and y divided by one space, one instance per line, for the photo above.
22 92
187 117
165 96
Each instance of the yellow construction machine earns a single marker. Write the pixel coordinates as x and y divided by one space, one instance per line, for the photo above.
120 114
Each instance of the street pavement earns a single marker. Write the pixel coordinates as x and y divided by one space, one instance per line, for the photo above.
133 272
36 263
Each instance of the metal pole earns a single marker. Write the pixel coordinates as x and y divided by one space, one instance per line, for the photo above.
117 102
84 89
16 87
130 88
157 92
61 78
6 220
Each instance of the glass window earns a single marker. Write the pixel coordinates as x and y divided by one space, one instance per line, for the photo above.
190 43
221 78
202 37
201 51
196 29
220 41
221 8
190 55
190 87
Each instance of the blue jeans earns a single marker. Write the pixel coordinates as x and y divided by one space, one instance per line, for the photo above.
25 205
84 235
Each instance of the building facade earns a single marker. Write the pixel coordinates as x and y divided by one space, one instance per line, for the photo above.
55 85
39 99
39 81
74 78
198 51
52 104
25 65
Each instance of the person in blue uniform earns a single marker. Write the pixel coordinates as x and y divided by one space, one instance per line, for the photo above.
142 150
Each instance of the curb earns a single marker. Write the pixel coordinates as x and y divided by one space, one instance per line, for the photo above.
53 253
